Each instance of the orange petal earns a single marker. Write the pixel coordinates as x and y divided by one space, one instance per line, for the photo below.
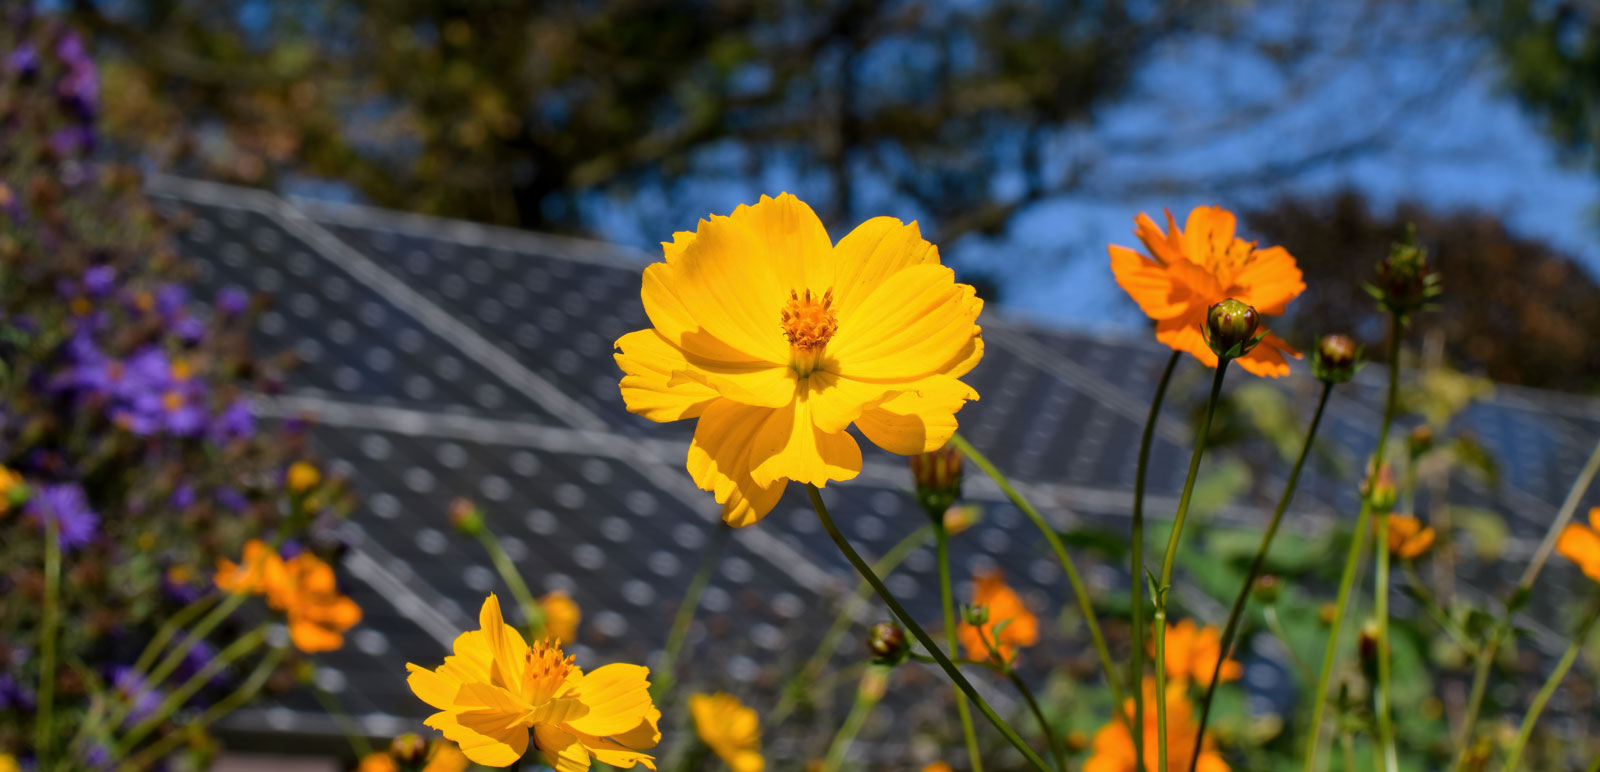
1149 284
1269 281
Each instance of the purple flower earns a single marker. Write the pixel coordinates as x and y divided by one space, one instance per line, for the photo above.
236 422
233 499
189 329
80 86
71 141
23 60
232 301
183 497
142 700
98 280
15 694
65 503
171 299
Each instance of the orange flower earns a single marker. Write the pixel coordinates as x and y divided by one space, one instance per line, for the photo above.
251 575
1113 745
1192 653
1188 270
1581 544
1408 537
302 587
1008 619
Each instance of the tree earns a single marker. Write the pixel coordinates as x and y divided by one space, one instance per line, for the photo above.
1550 53
1512 309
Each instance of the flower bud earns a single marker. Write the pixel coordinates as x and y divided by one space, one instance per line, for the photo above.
976 615
1420 440
1367 645
465 517
302 477
1336 359
1405 282
887 642
1380 492
1325 613
1233 328
937 476
409 749
958 519
1077 740
1266 589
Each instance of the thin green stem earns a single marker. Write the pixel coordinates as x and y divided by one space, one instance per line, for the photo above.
867 697
666 667
1514 759
806 677
1431 605
1352 565
1380 608
1491 647
246 692
1136 559
1170 559
44 729
1079 589
352 731
180 696
1270 614
532 611
1038 715
948 603
1236 614
1348 745
921 635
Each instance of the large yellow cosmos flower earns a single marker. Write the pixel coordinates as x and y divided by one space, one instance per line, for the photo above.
497 688
778 340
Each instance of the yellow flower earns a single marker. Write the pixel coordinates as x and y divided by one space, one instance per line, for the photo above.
561 615
1016 625
8 763
496 688
778 340
302 477
1408 537
730 729
1113 745
12 489
1581 544
1193 651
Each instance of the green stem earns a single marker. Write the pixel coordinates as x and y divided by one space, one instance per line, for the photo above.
1038 715
1170 558
352 731
948 603
246 692
1136 562
532 611
1380 604
866 700
1491 647
1431 605
1079 589
666 667
1595 767
43 737
180 696
1352 564
1270 613
1514 760
1236 614
921 635
806 677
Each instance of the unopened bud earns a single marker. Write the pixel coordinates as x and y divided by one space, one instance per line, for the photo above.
1077 740
409 748
1367 644
1232 328
302 477
937 476
1266 589
1326 612
1379 489
887 642
465 517
975 615
958 519
1336 359
1420 440
1405 282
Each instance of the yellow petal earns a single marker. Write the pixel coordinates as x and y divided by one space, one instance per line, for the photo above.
615 754
484 736
751 383
561 750
507 650
789 446
747 503
796 243
432 687
870 254
747 761
720 460
648 361
720 298
917 421
836 401
913 324
618 698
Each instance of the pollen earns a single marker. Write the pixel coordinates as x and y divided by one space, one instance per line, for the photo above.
808 322
546 671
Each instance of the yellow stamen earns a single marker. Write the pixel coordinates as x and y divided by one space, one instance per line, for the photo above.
546 672
809 323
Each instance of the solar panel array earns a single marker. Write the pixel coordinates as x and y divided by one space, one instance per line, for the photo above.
445 359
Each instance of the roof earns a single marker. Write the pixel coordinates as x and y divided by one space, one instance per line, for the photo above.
445 358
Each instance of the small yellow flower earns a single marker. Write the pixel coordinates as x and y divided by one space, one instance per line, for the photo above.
302 477
8 763
1192 653
730 729
12 490
779 340
496 688
1581 544
1017 626
1408 537
561 616
961 517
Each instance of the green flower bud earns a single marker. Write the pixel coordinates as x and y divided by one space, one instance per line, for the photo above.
1420 440
1405 282
1336 359
1379 489
409 749
976 615
887 642
937 476
465 517
1233 328
1266 589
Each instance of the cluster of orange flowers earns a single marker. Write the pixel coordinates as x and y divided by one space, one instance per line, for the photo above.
303 587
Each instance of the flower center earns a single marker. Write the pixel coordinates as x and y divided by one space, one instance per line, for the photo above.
546 671
808 323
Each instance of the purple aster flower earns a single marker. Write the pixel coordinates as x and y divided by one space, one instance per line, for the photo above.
15 694
23 60
98 280
236 422
232 301
65 503
183 497
71 141
189 329
171 299
142 700
233 499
